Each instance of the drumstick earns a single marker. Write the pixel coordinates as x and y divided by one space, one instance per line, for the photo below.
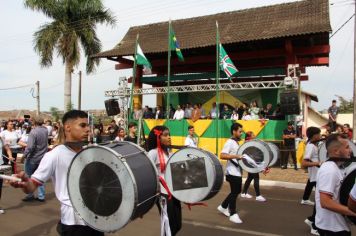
11 178
7 157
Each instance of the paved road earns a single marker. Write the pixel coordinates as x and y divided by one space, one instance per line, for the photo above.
280 215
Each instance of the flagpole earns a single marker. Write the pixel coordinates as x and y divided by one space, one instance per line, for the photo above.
133 82
168 70
217 87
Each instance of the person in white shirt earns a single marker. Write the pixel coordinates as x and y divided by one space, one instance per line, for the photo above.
55 165
330 214
352 199
191 140
311 161
120 135
159 140
179 114
234 115
233 174
10 138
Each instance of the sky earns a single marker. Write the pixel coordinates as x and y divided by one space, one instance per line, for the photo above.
19 64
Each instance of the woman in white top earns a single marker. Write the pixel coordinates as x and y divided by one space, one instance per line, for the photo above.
234 115
120 135
10 137
311 161
254 110
159 141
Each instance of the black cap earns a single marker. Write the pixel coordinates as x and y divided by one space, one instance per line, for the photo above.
290 122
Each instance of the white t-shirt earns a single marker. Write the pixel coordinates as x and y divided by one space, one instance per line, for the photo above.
353 193
55 165
178 115
231 147
153 155
118 139
329 179
311 153
191 142
10 138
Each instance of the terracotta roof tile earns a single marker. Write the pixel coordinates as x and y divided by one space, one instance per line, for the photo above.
276 21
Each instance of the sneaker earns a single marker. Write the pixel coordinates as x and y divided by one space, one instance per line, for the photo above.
28 199
40 199
260 199
2 211
224 211
246 195
309 223
314 232
307 202
235 218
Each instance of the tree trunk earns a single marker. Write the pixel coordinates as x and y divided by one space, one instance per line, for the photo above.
68 87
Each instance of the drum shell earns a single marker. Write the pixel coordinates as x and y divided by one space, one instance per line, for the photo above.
5 169
195 194
346 186
276 154
260 145
140 185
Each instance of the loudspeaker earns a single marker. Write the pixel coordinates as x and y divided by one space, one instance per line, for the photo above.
112 107
290 102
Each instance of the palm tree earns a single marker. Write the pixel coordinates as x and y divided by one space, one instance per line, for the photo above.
73 27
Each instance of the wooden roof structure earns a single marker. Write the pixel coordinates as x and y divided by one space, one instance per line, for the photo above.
257 38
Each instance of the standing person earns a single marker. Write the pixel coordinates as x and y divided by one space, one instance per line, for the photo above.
37 146
252 176
235 115
196 113
120 135
113 129
213 111
289 136
333 111
330 214
100 126
191 140
3 149
49 127
311 161
179 113
55 165
233 174
159 114
226 113
159 140
131 137
347 131
10 137
254 110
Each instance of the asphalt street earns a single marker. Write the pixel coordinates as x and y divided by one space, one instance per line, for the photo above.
282 214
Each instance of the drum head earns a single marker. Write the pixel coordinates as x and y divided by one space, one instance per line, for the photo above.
347 185
323 153
259 151
276 153
105 197
191 174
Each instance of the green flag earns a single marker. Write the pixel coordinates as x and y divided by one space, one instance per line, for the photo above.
226 63
175 45
141 58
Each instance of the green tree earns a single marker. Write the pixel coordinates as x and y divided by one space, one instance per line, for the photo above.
345 105
55 113
73 27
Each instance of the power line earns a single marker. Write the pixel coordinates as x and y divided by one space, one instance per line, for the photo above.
17 87
342 26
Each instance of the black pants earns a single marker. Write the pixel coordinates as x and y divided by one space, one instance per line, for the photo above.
6 161
308 189
174 211
285 156
256 183
77 230
235 186
330 233
332 125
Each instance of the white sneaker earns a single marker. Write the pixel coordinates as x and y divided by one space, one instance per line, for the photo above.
260 198
307 202
235 218
308 222
246 195
314 232
2 211
224 211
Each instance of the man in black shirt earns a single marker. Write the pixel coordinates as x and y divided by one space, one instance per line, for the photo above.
131 137
289 136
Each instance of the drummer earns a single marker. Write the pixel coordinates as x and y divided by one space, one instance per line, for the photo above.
233 174
55 165
330 213
7 150
159 140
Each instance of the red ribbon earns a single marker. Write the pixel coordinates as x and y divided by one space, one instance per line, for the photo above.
162 162
263 122
15 167
266 171
189 205
165 186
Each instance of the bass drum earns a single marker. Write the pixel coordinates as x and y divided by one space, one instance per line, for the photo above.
276 153
111 185
259 151
346 186
194 175
323 153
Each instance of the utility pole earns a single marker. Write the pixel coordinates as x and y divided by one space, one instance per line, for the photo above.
80 91
354 98
38 97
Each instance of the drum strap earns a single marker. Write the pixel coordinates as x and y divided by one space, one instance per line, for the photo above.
232 161
162 162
